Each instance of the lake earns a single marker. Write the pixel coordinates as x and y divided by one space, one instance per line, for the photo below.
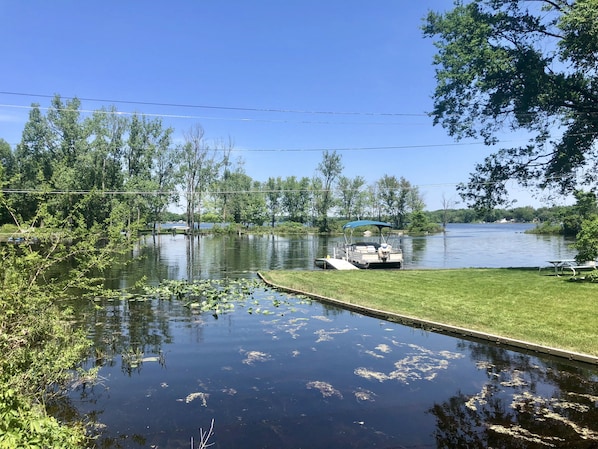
282 371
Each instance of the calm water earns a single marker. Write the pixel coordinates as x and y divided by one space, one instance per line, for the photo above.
297 374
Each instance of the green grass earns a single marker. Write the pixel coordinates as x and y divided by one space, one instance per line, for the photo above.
521 304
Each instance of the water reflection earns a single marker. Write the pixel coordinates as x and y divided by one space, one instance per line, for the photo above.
483 245
282 371
417 253
522 403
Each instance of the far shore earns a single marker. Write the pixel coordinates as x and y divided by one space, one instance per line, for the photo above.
519 307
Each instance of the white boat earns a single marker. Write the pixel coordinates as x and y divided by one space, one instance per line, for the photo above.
369 254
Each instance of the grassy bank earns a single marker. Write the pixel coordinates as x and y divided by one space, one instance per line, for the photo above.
521 304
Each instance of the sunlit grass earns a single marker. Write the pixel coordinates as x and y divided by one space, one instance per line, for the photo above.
521 304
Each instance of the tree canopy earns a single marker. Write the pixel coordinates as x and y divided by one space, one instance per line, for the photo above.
520 66
108 166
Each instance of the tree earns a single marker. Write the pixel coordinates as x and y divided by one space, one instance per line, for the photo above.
245 202
447 205
419 223
33 163
199 169
104 164
351 196
273 195
373 203
7 169
520 66
147 158
393 194
68 144
7 159
586 207
296 197
162 178
586 242
329 169
100 167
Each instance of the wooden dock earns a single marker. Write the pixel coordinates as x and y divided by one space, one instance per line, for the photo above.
336 264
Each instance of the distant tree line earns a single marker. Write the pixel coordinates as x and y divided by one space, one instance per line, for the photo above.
112 167
526 214
116 168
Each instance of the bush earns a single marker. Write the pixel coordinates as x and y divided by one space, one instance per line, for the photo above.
587 240
39 344
546 228
8 229
38 350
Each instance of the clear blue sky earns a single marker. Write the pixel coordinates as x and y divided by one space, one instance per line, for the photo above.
283 79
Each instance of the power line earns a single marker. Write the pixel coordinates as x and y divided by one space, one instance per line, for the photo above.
199 117
227 108
218 192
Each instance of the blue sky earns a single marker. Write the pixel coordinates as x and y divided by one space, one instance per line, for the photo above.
283 80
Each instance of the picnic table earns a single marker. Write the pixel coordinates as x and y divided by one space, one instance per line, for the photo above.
559 264
571 264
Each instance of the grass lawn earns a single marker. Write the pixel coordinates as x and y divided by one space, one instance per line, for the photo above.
521 304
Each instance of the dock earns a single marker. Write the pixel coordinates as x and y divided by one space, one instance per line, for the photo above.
336 264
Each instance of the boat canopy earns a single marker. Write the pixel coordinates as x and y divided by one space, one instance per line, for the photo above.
358 223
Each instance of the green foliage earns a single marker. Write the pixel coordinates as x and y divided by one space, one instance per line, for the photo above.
510 65
392 195
419 224
39 348
62 156
352 197
547 228
291 227
24 424
39 342
585 207
296 197
587 240
329 169
208 295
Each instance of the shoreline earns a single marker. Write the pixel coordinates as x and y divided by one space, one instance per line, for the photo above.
447 329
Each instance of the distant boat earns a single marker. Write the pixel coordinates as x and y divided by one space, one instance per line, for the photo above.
368 254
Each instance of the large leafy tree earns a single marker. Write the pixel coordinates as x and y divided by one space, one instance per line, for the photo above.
245 203
525 66
67 146
273 196
394 197
33 164
329 169
100 168
296 198
148 167
351 196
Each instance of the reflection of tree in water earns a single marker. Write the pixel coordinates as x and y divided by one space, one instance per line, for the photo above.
525 403
418 246
129 329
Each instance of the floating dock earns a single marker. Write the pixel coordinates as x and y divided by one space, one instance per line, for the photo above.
336 264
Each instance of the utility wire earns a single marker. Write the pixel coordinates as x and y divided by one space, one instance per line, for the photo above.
200 117
227 108
220 192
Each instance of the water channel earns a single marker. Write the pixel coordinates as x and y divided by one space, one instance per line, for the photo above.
282 371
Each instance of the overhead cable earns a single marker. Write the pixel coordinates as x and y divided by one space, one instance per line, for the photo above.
228 108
